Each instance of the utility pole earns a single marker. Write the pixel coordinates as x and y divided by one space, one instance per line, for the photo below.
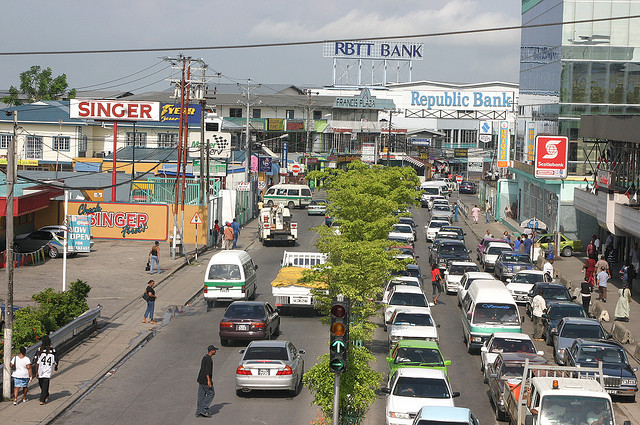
389 139
8 306
202 89
309 93
247 140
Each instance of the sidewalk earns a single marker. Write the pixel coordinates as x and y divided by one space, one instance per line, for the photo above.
94 359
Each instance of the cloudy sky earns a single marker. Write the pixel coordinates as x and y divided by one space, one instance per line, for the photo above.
67 25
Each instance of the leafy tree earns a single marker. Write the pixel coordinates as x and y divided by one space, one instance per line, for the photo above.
38 84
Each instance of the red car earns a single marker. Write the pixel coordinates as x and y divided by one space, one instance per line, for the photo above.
249 320
483 244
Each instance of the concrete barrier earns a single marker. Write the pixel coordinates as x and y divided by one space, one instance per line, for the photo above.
599 311
621 333
636 352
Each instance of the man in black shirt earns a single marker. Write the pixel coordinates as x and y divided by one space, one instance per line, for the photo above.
205 383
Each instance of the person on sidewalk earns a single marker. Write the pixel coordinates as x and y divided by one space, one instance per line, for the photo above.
585 292
589 269
539 307
603 281
456 210
236 232
487 209
602 262
154 257
548 268
622 306
506 237
215 233
206 391
436 283
527 242
22 375
46 361
516 244
591 251
634 256
228 236
475 213
487 235
150 297
627 274
596 243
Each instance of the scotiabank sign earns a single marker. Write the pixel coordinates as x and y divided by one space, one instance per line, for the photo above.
112 110
551 157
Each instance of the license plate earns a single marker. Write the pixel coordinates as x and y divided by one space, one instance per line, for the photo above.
224 289
263 372
242 327
612 391
299 300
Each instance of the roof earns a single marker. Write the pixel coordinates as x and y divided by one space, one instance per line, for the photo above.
418 343
420 372
445 414
511 335
479 274
262 343
521 357
408 289
599 342
463 263
531 271
581 320
154 155
569 386
414 310
46 111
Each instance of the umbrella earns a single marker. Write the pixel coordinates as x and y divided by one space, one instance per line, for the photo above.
533 223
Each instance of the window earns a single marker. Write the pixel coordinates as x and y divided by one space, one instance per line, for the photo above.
34 147
212 126
140 139
82 144
167 140
61 143
257 113
317 115
5 139
289 114
235 112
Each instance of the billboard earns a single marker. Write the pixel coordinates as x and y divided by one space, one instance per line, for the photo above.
170 112
551 157
114 110
369 153
381 50
531 140
79 233
219 144
504 145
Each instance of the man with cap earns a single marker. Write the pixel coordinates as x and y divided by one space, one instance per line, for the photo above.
228 236
205 383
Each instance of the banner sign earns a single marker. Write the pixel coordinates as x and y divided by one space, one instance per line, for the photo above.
112 220
112 110
170 112
462 100
219 144
531 140
504 146
460 152
420 142
363 101
551 157
295 125
264 164
369 153
79 233
285 155
390 50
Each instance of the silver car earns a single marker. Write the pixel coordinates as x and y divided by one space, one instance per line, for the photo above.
270 365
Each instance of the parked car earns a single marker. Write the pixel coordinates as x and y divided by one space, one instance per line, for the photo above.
412 388
461 234
404 295
410 222
509 263
504 342
317 207
455 271
468 187
412 323
399 280
466 281
405 252
482 246
619 377
567 246
557 311
572 328
552 292
402 232
416 353
270 365
2 308
444 236
449 250
249 320
522 283
432 229
491 253
58 230
436 415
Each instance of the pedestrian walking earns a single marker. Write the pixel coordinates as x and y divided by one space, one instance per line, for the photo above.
46 361
592 251
602 262
487 209
215 233
539 307
154 257
228 236
150 297
456 209
506 237
603 281
548 268
527 243
236 232
596 243
516 244
627 274
487 235
589 268
436 283
548 252
585 292
206 391
634 255
475 213
22 375
608 245
622 306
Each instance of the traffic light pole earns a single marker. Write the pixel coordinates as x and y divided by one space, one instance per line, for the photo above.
336 398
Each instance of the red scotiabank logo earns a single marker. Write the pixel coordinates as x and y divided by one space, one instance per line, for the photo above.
551 156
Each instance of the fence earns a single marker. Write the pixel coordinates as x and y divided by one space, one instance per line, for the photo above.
160 190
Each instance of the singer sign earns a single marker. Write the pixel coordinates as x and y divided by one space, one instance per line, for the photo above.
551 157
109 110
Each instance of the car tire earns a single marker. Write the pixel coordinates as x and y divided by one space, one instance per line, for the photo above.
224 342
53 252
500 416
567 251
291 205
298 388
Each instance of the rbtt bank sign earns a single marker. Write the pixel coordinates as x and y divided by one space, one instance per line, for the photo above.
389 50
462 100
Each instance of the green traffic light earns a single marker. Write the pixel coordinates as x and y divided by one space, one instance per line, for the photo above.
337 365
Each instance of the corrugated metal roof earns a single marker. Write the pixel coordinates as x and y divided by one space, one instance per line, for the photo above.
145 154
46 111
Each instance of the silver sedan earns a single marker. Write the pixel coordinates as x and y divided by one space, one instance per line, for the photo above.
270 365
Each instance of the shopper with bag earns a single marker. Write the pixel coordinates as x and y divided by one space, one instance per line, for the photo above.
150 297
436 283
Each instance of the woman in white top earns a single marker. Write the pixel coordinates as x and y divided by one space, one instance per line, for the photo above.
46 362
22 375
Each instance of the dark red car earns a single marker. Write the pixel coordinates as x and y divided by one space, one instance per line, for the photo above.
249 320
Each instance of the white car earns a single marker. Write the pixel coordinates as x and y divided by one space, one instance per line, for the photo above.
490 254
439 201
441 210
399 280
412 323
504 342
454 273
466 281
402 232
522 283
435 199
404 295
411 388
433 227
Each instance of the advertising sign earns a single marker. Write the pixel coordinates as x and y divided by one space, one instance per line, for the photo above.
460 152
467 100
504 146
531 140
605 178
295 125
216 169
475 165
285 155
79 234
486 127
170 112
420 142
390 50
275 124
369 153
363 101
244 186
110 220
219 144
264 164
551 157
112 110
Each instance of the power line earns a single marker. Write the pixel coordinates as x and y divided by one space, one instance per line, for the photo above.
121 78
312 42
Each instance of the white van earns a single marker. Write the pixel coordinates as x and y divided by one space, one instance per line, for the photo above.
289 195
431 189
488 307
230 275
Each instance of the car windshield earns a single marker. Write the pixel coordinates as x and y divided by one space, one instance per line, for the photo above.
496 314
514 258
567 409
408 221
415 300
451 229
266 353
510 345
558 312
582 330
402 229
245 311
436 224
460 270
421 387
318 202
452 249
559 293
224 272
496 250
528 278
431 191
440 207
405 251
413 319
611 355
394 283
430 356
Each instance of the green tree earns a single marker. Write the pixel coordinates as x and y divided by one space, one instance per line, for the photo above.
39 84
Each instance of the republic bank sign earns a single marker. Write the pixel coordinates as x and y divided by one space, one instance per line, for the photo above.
462 100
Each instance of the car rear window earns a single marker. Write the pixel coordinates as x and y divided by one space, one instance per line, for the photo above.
582 331
421 387
244 311
429 356
497 250
266 353
454 269
413 319
415 300
224 272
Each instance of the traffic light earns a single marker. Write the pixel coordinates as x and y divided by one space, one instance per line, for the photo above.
339 344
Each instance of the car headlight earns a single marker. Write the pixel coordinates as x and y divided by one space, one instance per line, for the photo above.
476 339
394 339
629 381
399 415
509 268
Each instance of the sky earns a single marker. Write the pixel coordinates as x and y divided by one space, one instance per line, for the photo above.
68 25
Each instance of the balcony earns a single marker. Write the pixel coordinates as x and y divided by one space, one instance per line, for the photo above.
612 210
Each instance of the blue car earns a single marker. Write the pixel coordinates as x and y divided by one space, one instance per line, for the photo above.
15 308
509 263
556 311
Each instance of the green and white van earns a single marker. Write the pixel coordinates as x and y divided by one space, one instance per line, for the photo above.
289 195
488 307
230 275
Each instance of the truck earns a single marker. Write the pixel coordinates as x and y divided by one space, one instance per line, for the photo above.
287 288
551 394
275 225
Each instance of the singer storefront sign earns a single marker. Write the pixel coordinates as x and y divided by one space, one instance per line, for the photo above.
109 110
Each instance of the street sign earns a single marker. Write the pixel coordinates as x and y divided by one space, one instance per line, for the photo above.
196 219
262 184
295 169
458 179
504 145
244 186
